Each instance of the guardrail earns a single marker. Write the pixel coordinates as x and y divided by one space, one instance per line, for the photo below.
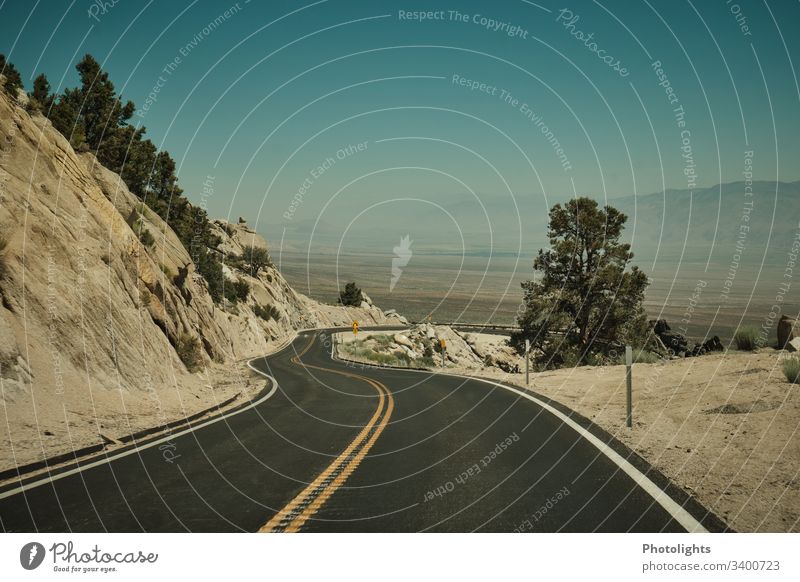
487 326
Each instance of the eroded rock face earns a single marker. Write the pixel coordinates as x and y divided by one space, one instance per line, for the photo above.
89 316
422 344
236 237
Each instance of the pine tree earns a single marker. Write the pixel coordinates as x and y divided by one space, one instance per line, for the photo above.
351 295
66 118
584 291
41 93
13 79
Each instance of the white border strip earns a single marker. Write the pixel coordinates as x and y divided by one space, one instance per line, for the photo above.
136 449
659 495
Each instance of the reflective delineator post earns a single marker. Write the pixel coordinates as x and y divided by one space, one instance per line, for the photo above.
527 360
629 382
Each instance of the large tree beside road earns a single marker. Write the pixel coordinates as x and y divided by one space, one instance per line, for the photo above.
585 301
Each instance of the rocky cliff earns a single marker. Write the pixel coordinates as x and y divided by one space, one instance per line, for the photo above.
90 316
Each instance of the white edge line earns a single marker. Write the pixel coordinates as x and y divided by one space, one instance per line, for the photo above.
657 493
136 449
108 459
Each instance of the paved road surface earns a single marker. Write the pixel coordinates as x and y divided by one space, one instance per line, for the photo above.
344 448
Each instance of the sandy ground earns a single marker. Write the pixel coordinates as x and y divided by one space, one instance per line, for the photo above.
116 417
691 421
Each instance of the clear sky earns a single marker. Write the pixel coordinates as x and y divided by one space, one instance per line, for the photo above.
493 98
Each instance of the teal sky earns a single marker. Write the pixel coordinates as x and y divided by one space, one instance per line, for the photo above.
273 89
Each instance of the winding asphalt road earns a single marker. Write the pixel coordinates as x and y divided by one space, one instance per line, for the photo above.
339 447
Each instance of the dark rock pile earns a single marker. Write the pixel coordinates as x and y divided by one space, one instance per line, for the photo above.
788 329
675 343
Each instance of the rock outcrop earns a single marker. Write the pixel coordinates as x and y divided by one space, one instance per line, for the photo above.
422 343
90 317
676 344
788 329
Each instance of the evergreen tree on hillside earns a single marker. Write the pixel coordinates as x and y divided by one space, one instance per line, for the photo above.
93 118
163 185
41 93
65 115
585 299
137 156
13 79
351 295
257 258
102 112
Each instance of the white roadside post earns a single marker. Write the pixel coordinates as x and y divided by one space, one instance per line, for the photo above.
527 359
629 382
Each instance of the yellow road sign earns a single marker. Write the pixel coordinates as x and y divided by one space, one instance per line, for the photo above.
355 328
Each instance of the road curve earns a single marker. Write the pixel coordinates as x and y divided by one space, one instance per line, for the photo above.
341 448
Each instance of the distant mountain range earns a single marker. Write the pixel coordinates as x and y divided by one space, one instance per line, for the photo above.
706 221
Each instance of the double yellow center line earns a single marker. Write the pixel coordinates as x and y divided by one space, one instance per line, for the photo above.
292 517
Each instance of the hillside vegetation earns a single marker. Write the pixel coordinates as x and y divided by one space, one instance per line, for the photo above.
110 320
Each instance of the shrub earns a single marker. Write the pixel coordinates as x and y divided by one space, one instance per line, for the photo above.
746 339
242 289
267 313
645 357
791 369
137 226
211 270
351 295
188 349
381 358
146 238
167 272
256 258
382 340
237 290
427 362
234 261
